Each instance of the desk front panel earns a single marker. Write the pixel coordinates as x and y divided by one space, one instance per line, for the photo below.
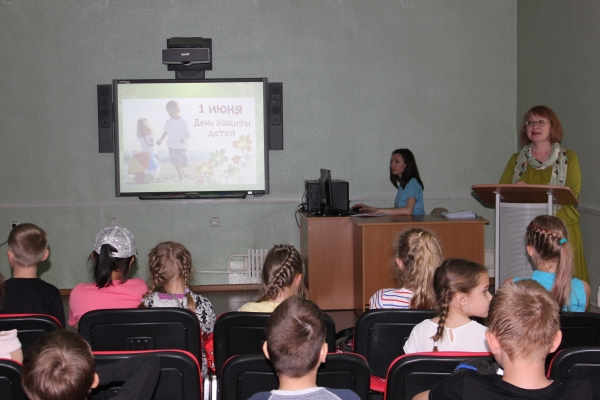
457 239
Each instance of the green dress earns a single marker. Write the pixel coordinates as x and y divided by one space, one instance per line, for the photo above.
568 214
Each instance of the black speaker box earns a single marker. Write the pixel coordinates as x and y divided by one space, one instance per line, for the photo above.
105 119
339 192
275 116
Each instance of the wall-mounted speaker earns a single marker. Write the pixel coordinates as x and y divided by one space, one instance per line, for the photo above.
275 116
105 119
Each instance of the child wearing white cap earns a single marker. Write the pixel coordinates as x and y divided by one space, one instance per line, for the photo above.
114 252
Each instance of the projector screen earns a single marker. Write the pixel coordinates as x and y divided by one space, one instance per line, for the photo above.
205 137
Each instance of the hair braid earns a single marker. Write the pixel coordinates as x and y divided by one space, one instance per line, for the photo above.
282 264
443 308
544 234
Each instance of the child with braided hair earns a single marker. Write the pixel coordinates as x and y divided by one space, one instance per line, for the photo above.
170 266
461 291
551 253
418 254
281 278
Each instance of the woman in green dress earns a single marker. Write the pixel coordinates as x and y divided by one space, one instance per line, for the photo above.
543 161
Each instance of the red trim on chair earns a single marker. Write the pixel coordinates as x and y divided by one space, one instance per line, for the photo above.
377 384
32 315
552 362
430 353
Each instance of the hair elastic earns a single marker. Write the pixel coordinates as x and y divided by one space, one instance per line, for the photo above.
420 233
563 241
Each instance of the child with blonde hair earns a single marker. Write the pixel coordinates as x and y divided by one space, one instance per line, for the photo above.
461 291
524 328
170 267
145 136
549 248
418 254
281 278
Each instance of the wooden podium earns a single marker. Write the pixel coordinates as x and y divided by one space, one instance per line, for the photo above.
527 202
347 259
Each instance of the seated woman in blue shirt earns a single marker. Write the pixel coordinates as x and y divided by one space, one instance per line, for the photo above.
404 175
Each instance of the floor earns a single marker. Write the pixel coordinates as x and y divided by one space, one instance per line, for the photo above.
232 300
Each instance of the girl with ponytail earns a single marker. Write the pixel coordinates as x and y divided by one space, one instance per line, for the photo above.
170 267
418 254
114 252
551 253
281 278
461 292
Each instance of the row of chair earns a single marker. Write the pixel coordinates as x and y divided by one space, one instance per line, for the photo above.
379 336
244 375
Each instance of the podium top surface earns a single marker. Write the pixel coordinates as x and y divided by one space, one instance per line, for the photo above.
519 193
398 219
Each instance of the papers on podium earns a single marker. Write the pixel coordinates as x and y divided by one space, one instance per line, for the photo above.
460 215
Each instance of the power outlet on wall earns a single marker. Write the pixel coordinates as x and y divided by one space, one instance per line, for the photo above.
13 224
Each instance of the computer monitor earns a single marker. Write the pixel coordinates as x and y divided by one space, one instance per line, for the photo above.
325 190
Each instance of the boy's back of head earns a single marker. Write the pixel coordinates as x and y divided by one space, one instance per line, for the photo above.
295 336
28 244
59 365
524 317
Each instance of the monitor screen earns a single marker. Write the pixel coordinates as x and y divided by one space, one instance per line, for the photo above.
207 137
325 189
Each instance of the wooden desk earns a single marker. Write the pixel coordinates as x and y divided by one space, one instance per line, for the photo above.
347 259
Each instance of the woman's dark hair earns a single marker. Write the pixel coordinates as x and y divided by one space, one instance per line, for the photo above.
411 170
104 264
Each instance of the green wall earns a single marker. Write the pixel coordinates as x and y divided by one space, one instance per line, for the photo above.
558 64
361 78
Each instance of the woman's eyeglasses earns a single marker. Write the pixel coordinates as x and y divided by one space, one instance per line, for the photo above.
540 123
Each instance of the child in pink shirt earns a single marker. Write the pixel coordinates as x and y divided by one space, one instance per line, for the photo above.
114 252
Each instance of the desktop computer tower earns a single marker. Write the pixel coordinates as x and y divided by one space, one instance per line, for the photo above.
339 192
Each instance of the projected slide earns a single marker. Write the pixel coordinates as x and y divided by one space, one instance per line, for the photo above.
191 137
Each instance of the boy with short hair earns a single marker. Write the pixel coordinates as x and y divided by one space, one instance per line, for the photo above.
25 292
60 365
524 326
178 131
296 347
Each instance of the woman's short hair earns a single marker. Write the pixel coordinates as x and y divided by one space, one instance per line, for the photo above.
556 131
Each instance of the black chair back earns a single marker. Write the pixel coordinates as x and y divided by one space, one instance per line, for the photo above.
29 327
579 329
10 380
412 374
179 379
578 360
380 335
246 374
244 333
142 329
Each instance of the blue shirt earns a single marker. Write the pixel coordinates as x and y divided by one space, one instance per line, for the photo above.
546 279
412 189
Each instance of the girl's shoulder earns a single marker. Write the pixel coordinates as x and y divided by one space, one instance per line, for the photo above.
199 299
137 283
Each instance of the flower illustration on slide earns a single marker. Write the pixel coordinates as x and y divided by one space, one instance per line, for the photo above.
231 170
243 143
218 158
205 169
237 159
248 161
